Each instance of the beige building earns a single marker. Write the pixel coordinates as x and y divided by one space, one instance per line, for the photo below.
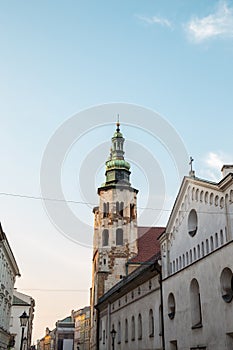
8 272
82 323
197 264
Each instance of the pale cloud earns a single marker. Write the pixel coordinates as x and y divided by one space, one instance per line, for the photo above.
162 21
212 164
218 24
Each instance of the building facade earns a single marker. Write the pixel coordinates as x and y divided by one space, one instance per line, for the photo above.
82 328
64 334
8 272
115 227
21 303
132 309
197 266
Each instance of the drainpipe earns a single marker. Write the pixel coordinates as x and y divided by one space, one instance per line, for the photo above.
161 303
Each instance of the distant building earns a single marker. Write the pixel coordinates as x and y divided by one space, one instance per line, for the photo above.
48 341
64 334
82 328
197 262
60 338
21 303
8 272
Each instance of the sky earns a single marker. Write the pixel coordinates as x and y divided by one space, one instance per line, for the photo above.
67 69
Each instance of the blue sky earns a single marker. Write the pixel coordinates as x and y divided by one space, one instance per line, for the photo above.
61 57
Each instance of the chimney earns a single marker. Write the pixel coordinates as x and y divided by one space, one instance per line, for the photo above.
227 169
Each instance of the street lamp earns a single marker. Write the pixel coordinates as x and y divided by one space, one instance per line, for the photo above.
23 322
113 335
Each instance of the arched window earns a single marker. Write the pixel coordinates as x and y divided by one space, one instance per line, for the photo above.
126 330
120 208
187 258
221 237
226 281
119 333
139 326
207 246
195 303
194 254
192 223
202 249
211 243
105 238
211 198
105 209
216 239
132 211
171 306
117 207
151 323
222 202
190 256
198 251
119 236
201 196
121 211
132 328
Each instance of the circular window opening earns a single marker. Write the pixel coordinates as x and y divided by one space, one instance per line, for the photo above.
171 306
226 281
192 223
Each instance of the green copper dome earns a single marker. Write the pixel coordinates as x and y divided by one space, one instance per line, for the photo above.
117 134
117 163
117 168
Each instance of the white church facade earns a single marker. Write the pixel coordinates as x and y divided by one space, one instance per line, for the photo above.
197 265
179 294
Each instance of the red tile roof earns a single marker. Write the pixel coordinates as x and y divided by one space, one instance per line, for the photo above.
148 244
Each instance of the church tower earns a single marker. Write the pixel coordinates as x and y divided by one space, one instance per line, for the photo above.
115 226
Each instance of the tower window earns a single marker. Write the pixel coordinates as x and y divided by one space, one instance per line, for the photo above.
119 236
105 238
120 208
105 209
132 211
